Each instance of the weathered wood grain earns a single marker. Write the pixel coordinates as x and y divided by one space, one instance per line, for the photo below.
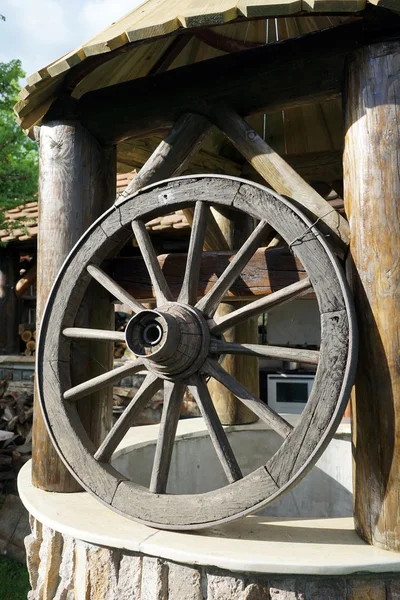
159 283
76 184
302 446
190 284
263 79
209 303
113 288
259 407
267 271
101 381
310 357
236 228
372 193
173 397
81 333
280 175
199 390
149 387
259 306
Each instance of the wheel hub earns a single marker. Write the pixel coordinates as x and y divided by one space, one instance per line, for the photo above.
173 340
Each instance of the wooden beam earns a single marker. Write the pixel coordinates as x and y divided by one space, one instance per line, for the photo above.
172 154
76 184
372 201
267 271
273 77
280 175
170 158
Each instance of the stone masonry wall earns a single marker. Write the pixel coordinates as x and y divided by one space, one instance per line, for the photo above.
62 568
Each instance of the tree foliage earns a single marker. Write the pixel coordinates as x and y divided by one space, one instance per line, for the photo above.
18 154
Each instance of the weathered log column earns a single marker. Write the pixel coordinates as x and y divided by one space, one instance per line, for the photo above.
9 341
76 184
372 199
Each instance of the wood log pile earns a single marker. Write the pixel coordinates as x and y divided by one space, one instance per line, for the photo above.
27 333
16 412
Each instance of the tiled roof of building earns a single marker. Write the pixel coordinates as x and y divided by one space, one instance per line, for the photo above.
173 223
23 219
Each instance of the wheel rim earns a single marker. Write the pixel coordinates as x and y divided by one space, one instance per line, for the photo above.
169 327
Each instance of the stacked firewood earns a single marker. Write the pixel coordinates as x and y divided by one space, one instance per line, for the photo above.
16 412
27 333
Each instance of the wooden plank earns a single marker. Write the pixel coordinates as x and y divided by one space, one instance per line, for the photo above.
371 161
282 177
268 270
263 79
264 8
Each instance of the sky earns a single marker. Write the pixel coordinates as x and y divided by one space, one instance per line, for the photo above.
40 31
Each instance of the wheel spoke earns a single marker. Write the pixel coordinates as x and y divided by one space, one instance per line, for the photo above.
80 333
262 305
208 305
310 357
115 290
173 396
188 294
161 289
198 388
149 387
101 381
262 410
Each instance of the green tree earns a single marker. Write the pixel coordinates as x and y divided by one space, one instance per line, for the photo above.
18 154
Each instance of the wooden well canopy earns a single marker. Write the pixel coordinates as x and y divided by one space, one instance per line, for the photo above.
164 39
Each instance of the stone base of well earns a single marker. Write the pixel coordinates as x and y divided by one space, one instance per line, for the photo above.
65 568
81 550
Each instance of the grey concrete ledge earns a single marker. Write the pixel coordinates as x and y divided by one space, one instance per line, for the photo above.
254 544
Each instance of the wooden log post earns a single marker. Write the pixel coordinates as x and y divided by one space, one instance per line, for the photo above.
243 368
282 177
76 184
372 200
9 303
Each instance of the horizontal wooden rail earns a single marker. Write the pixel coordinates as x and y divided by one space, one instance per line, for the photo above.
267 271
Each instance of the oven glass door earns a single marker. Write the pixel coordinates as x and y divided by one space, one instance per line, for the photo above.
289 393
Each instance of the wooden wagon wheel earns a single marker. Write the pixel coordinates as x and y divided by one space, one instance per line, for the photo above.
179 344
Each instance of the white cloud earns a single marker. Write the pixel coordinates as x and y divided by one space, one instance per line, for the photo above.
41 31
42 22
96 15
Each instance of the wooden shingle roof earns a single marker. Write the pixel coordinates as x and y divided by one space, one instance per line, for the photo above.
135 46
